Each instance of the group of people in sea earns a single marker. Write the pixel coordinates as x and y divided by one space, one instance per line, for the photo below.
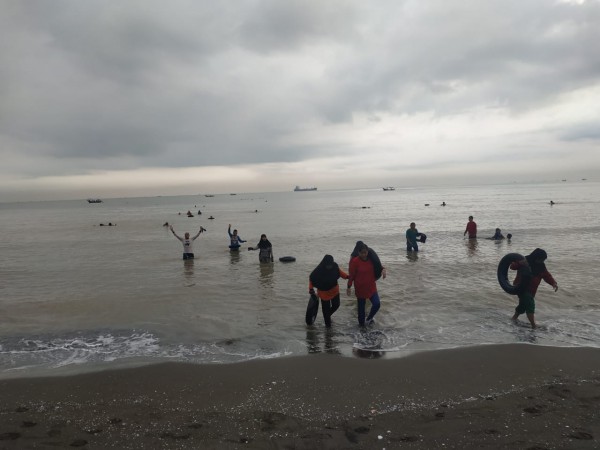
471 231
365 268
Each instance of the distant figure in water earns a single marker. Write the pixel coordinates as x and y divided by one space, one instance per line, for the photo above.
265 248
508 237
551 202
443 204
471 228
497 236
189 214
188 251
166 224
535 261
235 240
411 238
325 278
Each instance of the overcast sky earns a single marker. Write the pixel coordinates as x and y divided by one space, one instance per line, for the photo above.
143 98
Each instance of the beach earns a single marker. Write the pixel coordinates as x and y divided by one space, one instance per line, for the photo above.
492 396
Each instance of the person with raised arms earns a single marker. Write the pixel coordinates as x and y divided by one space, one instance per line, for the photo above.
188 251
235 240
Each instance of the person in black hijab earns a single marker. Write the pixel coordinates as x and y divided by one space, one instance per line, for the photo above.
265 248
535 262
325 278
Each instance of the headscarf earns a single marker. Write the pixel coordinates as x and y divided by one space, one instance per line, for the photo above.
378 268
326 274
537 267
264 244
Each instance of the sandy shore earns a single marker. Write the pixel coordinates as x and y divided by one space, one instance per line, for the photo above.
509 396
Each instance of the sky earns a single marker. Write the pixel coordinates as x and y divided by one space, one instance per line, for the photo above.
148 97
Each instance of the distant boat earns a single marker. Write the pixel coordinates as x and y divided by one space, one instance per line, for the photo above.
299 189
208 195
94 200
389 188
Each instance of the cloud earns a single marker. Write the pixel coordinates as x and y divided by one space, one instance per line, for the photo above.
143 85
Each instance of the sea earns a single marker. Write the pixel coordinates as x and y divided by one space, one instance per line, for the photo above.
77 295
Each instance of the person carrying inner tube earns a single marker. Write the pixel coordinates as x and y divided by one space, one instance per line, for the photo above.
535 261
235 240
325 278
411 238
365 269
265 249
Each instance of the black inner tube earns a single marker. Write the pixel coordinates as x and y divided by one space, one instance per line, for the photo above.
523 271
312 309
287 259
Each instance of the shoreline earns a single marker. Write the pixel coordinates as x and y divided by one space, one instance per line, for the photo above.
487 396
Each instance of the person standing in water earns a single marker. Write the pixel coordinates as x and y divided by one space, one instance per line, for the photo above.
325 278
265 249
188 251
535 262
471 228
365 269
235 240
411 238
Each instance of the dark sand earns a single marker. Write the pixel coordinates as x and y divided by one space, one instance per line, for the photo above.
498 397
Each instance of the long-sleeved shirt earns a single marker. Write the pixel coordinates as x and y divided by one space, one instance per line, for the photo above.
535 279
362 274
329 293
235 239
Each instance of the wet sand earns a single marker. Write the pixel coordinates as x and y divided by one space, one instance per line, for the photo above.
497 397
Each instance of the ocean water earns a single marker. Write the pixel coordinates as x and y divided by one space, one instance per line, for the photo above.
76 296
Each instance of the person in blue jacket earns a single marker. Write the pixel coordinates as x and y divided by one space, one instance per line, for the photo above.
235 240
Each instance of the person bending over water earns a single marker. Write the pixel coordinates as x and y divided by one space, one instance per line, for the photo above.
188 243
363 273
265 249
535 261
325 278
235 240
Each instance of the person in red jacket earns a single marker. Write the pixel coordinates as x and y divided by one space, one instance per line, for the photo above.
471 228
535 261
362 273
